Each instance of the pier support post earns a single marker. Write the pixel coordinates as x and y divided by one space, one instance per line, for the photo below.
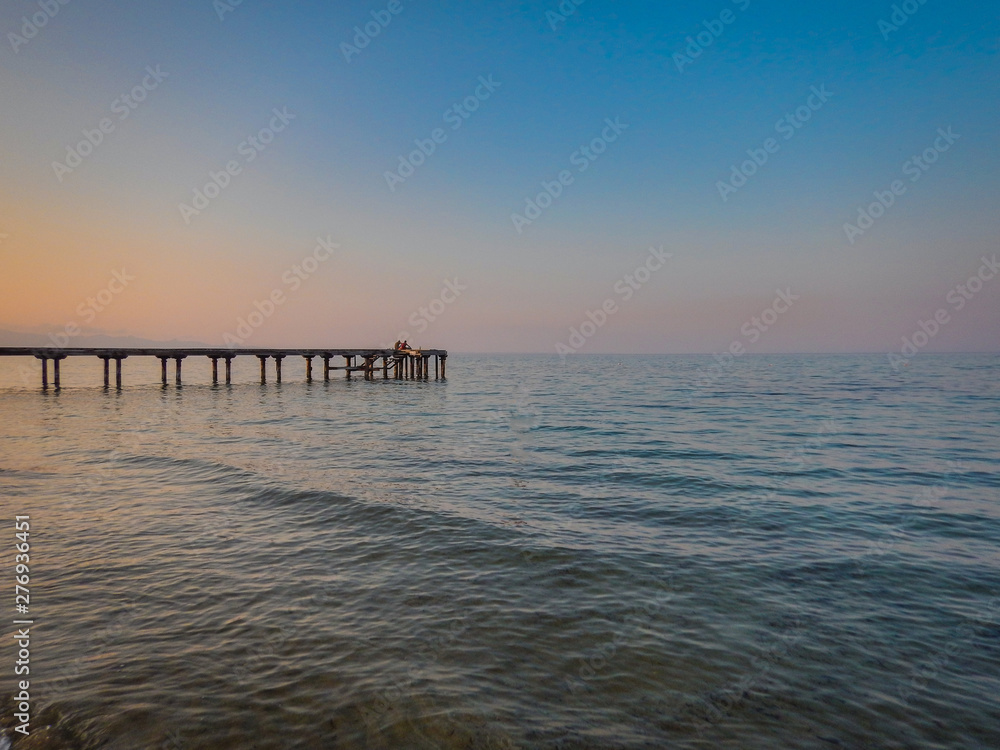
118 371
409 364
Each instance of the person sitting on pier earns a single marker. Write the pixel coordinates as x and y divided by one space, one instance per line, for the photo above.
398 345
404 345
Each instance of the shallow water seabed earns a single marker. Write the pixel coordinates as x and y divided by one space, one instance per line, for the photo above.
606 553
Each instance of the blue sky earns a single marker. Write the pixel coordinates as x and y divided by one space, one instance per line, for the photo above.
657 184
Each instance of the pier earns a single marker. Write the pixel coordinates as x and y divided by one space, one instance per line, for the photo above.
397 364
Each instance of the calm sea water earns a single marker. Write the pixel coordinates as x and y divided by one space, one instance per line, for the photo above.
614 552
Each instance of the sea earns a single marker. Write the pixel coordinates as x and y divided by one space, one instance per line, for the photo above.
771 551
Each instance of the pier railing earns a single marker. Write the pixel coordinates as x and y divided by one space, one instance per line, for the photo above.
405 364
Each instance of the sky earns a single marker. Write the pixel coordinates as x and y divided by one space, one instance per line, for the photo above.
647 177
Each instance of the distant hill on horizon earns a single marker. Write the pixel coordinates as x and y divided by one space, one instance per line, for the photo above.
21 338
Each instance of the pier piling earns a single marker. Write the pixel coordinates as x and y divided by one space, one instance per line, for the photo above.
405 364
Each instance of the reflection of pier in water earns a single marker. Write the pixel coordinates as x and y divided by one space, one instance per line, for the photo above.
405 364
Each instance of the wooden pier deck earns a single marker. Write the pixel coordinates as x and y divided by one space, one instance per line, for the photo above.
406 364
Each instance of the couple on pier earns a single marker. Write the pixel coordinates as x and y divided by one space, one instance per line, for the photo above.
401 345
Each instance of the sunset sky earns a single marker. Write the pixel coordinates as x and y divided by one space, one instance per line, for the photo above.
833 100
